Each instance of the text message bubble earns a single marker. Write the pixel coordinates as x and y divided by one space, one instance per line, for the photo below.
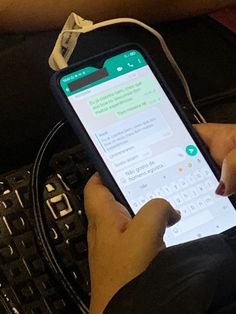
129 159
150 166
135 132
127 98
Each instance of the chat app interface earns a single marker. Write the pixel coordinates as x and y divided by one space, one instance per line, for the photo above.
146 146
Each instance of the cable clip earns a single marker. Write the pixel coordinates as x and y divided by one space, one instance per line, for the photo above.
75 25
67 40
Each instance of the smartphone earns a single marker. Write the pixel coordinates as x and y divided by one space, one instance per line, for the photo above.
140 140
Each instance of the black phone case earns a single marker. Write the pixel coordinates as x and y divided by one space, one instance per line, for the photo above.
94 155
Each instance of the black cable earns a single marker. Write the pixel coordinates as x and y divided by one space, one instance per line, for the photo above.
37 189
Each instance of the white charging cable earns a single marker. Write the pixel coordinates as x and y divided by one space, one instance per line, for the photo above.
76 25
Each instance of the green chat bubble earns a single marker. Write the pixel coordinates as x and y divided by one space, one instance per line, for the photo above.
128 98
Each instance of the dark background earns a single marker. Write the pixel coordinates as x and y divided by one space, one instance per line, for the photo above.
205 51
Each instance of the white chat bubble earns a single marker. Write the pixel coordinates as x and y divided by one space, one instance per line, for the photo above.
129 159
150 166
138 131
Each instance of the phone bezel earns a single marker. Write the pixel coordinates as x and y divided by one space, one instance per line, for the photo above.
94 155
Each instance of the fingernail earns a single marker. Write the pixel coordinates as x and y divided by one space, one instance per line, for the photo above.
178 217
220 189
178 212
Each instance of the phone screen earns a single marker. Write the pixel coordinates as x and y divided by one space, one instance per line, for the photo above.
145 145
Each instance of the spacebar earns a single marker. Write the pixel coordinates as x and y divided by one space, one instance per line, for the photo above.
195 221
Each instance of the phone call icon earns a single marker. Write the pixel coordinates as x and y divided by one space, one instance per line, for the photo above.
131 65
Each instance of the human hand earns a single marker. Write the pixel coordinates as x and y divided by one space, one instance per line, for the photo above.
221 141
120 248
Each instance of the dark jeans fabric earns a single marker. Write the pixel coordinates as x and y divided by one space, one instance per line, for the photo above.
205 52
196 277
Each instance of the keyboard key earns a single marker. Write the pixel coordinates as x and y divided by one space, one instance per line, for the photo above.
175 187
201 204
198 175
183 183
190 179
208 200
159 193
172 202
50 187
4 187
193 208
178 200
175 230
59 206
195 221
206 172
167 190
142 200
150 196
193 192
201 188
186 196
209 185
185 211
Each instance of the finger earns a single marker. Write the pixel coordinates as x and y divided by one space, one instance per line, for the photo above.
227 184
101 207
95 194
215 134
153 218
206 131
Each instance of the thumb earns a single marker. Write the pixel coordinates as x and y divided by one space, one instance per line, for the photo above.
153 218
227 185
101 208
